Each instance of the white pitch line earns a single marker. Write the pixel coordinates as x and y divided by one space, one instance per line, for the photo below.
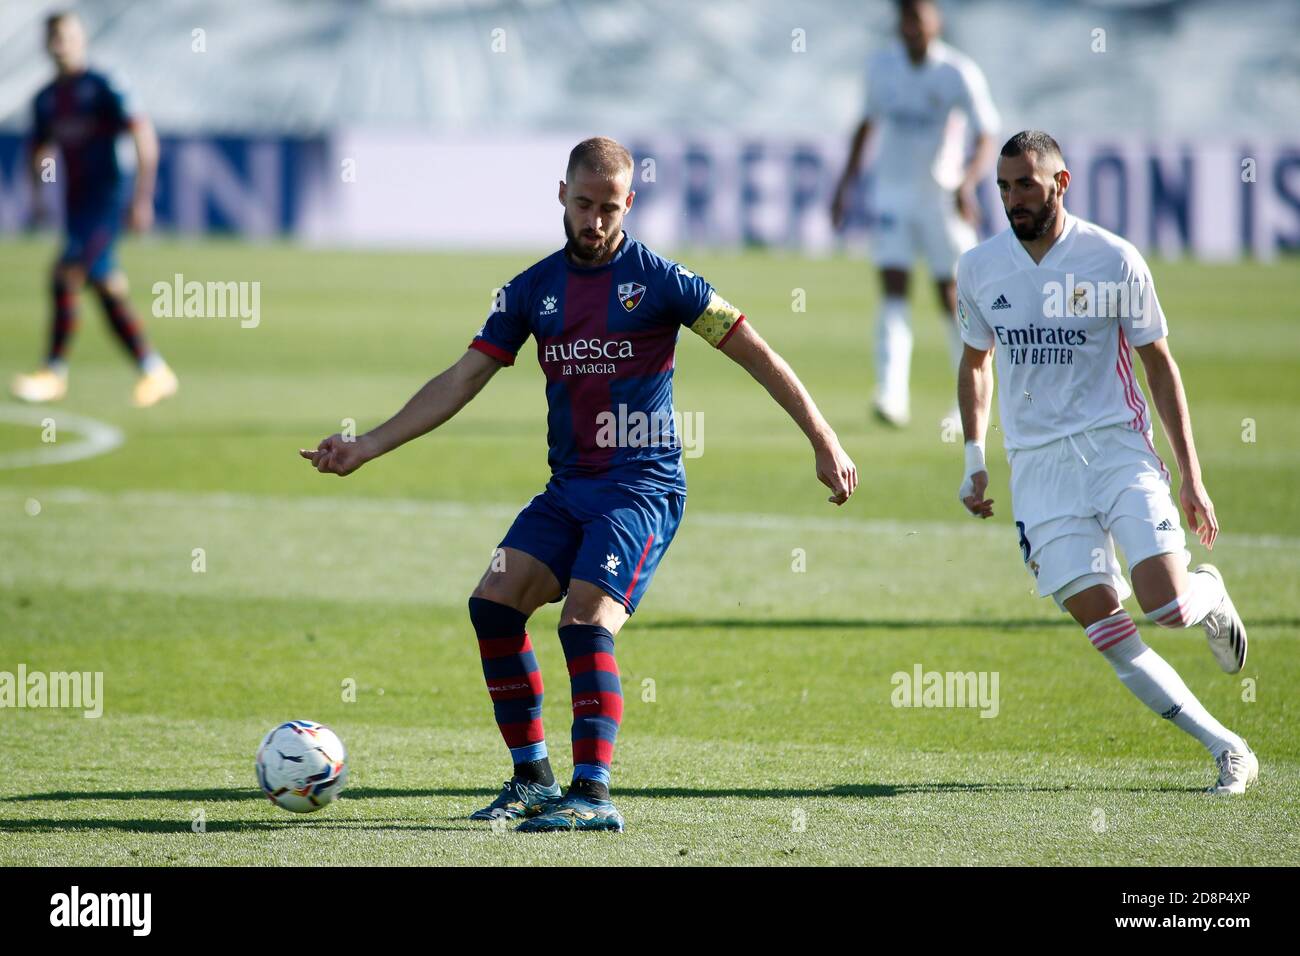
756 521
98 438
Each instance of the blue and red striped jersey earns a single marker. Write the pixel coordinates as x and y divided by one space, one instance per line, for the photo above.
84 115
606 337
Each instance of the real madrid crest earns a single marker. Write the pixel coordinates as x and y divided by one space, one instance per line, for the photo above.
1079 301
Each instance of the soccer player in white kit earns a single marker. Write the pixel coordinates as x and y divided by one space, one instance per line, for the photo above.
1061 303
923 97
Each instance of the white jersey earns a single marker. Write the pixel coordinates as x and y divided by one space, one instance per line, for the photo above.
1061 330
923 113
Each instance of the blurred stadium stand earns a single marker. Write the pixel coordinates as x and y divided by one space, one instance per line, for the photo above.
284 91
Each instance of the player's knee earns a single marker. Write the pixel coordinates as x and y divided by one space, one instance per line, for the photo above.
1090 605
596 610
498 588
113 284
70 274
488 590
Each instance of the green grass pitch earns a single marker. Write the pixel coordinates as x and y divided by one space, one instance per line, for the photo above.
759 727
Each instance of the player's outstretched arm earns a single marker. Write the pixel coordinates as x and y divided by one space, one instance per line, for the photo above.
1166 384
835 469
974 397
440 398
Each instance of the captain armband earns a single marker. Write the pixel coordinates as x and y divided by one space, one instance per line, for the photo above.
718 320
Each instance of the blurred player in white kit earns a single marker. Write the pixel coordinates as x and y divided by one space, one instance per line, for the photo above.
924 100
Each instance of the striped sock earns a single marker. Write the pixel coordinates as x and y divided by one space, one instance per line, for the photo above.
597 699
1151 680
1203 594
513 680
64 321
123 321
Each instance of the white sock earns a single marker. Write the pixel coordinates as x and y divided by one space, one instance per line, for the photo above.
151 363
1203 594
1151 680
955 345
893 351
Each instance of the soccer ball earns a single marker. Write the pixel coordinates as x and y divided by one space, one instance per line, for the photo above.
301 766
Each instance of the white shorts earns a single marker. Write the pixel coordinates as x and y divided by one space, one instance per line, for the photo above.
1076 499
908 222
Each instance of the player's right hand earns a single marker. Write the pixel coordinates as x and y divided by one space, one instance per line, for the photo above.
140 216
335 456
971 494
835 470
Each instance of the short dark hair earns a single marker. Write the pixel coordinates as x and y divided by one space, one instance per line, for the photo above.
1033 141
600 155
55 18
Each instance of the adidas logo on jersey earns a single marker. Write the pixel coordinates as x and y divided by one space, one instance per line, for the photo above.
1165 525
1001 303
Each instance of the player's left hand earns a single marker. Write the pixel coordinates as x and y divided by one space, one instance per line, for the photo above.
835 470
1200 512
968 206
140 217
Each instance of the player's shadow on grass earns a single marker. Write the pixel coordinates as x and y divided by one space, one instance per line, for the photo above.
899 624
845 624
49 825
853 790
230 794
877 790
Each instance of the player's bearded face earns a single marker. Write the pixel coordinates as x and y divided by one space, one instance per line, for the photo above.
588 244
1029 224
593 215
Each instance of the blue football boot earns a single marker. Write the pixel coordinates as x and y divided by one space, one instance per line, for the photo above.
575 812
519 798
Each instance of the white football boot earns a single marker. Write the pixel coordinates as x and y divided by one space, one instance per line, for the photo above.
1237 771
153 386
45 385
1224 629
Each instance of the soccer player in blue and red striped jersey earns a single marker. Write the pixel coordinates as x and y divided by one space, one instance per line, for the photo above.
81 115
605 312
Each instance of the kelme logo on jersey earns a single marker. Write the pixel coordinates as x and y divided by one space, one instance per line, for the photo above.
548 305
630 294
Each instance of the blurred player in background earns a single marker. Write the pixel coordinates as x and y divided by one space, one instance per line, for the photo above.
81 115
923 98
1061 301
605 311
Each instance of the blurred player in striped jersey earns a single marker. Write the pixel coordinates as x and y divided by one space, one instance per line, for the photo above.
1062 303
924 98
78 120
605 311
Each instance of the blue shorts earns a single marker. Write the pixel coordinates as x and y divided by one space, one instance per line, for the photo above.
93 229
599 531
